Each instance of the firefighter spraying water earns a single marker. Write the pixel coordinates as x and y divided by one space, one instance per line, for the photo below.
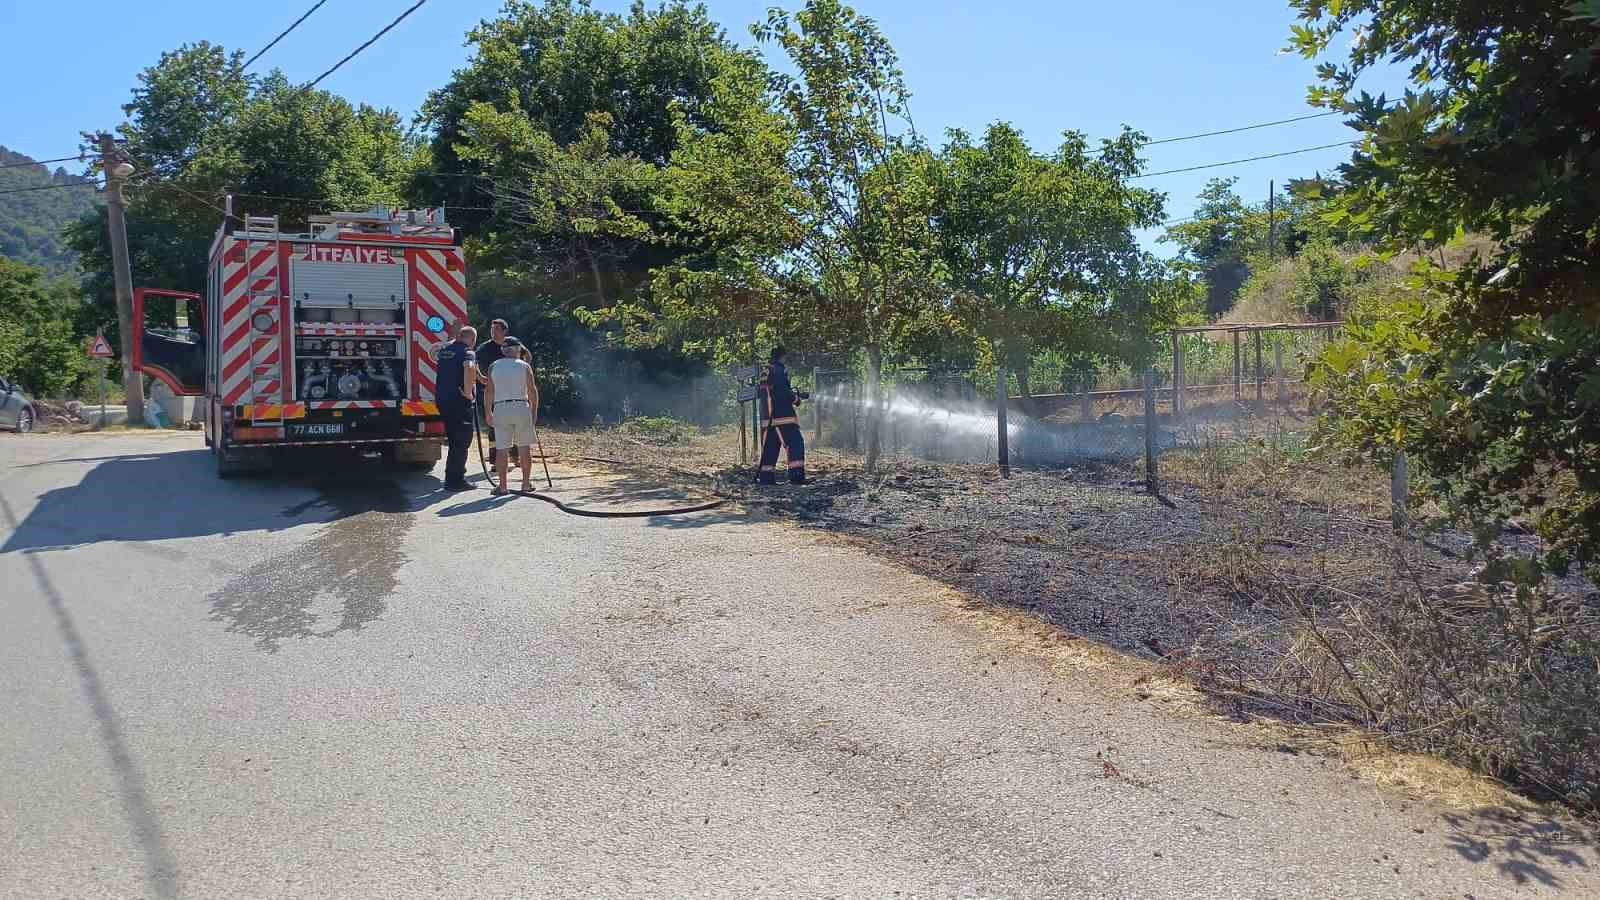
780 423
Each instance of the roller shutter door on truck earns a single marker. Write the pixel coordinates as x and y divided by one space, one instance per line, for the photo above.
336 284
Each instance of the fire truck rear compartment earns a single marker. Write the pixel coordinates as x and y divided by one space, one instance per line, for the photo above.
350 368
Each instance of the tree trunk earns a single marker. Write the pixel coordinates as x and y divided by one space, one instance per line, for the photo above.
874 406
599 283
1024 390
1023 372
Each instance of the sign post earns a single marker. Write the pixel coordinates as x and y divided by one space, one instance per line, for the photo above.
744 377
100 351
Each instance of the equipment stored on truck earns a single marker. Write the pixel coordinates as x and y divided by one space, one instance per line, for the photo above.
312 339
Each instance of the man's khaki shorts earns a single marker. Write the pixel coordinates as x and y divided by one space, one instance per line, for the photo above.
513 425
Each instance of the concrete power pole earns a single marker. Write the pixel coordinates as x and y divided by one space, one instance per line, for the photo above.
116 172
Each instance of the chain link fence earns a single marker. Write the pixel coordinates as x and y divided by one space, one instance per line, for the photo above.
1213 384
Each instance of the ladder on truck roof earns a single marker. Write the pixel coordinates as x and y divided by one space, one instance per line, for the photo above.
262 288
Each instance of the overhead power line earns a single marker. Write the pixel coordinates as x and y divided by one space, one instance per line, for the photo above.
1206 134
183 190
1273 123
51 187
1235 162
40 162
370 41
285 33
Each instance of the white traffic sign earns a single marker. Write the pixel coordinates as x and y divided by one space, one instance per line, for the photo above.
747 371
99 348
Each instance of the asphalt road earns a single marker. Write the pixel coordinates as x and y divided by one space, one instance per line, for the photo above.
362 686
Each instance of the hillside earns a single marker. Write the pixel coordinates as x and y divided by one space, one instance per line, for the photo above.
31 221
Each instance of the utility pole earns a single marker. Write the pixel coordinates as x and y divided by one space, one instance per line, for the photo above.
117 171
1150 426
1272 220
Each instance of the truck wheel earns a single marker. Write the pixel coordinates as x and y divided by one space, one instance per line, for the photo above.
226 468
232 466
412 458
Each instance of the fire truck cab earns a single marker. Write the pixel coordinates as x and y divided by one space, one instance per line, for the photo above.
313 339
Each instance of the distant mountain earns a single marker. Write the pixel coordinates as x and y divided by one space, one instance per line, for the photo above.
31 221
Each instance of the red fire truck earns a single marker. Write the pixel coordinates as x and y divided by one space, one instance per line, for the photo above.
315 338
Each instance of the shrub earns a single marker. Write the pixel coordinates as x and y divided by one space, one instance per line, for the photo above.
658 430
1498 673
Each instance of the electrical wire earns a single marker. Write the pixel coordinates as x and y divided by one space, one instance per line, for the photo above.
1235 162
284 34
1206 134
370 41
51 187
158 185
1236 130
40 162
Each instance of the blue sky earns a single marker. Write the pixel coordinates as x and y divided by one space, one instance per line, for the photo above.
1166 67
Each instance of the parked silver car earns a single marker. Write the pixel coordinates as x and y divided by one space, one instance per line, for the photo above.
17 410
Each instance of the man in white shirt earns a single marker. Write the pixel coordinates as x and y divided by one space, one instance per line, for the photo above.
511 405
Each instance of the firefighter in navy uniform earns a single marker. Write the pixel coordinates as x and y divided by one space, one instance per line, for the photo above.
780 425
457 375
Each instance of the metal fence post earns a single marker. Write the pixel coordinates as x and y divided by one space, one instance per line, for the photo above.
1150 432
1086 403
1399 492
1260 377
816 409
1177 377
1238 366
1001 435
1277 365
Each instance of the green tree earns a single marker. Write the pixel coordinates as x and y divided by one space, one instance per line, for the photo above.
291 152
570 212
808 210
731 195
31 221
560 129
1039 250
557 62
1489 375
37 344
1226 240
1216 242
180 104
848 197
199 128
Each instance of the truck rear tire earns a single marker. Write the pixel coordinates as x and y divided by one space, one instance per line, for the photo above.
234 464
227 468
415 457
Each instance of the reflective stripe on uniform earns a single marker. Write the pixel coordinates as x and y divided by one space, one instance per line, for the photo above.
797 464
769 468
787 420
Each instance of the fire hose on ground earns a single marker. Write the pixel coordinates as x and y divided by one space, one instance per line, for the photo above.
483 459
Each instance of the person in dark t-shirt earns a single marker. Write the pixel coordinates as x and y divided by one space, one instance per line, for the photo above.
490 352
